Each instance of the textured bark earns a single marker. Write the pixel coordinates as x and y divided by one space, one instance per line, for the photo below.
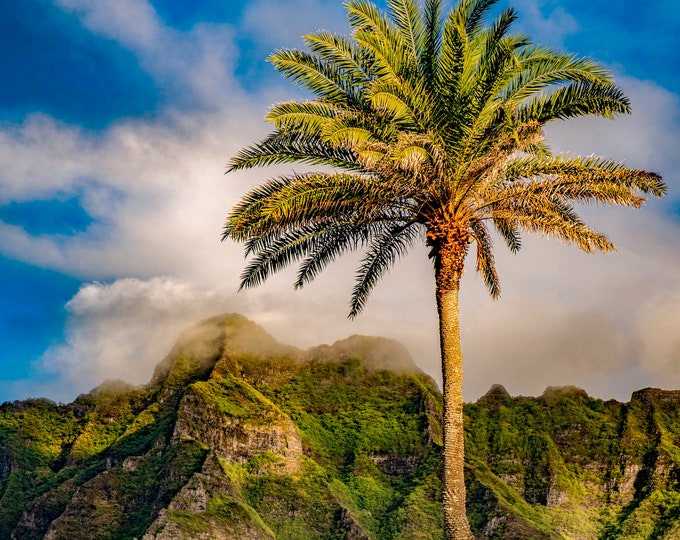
450 247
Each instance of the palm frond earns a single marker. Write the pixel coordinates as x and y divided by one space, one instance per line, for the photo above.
341 133
409 21
380 255
541 68
485 259
552 217
583 179
308 117
391 105
574 100
332 243
373 30
411 158
354 61
509 232
317 243
471 13
293 201
450 118
324 79
242 221
293 147
279 251
431 45
494 51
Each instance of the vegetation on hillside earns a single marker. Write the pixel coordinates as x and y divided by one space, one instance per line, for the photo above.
307 446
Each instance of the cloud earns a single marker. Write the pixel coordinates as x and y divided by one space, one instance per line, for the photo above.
61 148
156 192
648 138
122 330
545 25
194 68
262 21
531 343
599 321
659 351
132 22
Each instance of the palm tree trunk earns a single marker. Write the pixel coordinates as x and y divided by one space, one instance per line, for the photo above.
449 261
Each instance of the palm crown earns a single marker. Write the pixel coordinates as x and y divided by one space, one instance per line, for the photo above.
429 129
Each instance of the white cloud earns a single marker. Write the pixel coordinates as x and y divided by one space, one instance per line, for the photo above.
156 191
549 28
262 20
132 22
530 343
648 138
570 318
29 149
122 330
192 68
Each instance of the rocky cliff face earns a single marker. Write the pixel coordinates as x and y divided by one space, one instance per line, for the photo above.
240 437
587 468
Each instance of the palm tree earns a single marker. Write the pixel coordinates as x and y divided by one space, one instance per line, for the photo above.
428 128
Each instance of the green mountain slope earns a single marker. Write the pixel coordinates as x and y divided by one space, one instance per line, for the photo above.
240 437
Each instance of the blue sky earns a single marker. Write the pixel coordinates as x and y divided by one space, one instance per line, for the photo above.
117 118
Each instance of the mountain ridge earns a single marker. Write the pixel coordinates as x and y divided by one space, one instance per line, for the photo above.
239 436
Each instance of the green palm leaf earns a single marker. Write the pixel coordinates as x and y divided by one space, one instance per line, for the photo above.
382 253
293 147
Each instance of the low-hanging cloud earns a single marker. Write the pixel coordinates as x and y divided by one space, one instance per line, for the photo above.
122 330
659 350
565 317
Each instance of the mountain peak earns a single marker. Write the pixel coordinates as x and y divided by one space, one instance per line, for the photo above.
554 393
199 348
217 343
375 353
